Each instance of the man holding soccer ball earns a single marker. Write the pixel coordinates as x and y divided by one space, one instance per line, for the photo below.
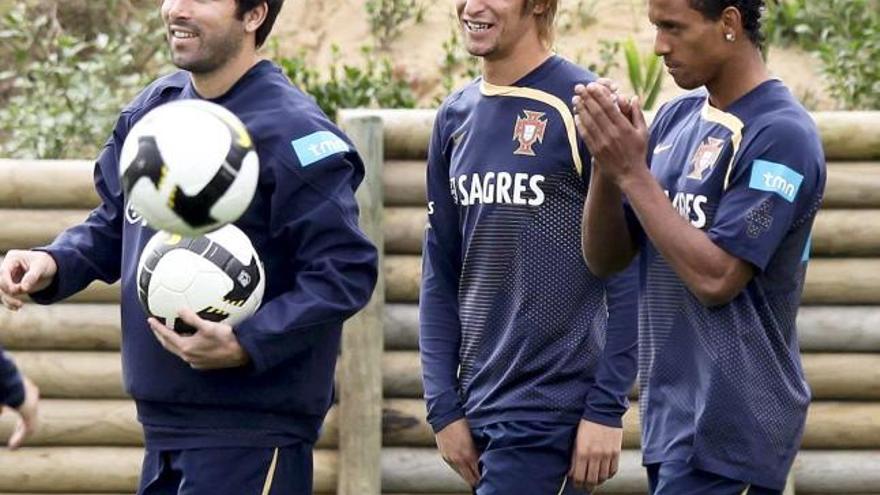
229 410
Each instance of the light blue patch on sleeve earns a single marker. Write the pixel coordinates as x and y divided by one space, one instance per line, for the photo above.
806 256
777 178
317 146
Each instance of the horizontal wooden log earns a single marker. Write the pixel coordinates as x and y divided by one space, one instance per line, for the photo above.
401 284
404 470
843 376
401 327
404 183
90 327
403 275
831 376
67 184
849 135
82 423
839 328
836 232
848 185
95 327
405 229
406 132
76 375
846 233
845 135
843 281
820 328
830 425
103 469
829 281
23 229
98 375
852 185
71 469
47 184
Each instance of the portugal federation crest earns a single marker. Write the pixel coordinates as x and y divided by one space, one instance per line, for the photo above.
528 131
706 157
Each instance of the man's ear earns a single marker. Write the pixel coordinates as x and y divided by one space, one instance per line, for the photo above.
255 17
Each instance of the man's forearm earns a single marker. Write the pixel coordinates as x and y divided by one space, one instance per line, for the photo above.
705 268
605 239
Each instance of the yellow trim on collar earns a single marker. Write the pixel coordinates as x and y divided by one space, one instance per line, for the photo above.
488 89
732 123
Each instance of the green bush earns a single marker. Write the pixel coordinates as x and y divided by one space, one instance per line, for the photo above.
375 84
388 16
844 34
645 73
66 86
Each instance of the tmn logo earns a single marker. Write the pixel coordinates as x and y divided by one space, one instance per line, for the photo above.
528 131
776 178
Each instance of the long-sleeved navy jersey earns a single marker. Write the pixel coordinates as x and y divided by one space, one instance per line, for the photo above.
320 269
513 325
723 387
11 386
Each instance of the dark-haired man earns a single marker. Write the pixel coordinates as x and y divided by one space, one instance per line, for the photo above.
229 410
721 216
527 357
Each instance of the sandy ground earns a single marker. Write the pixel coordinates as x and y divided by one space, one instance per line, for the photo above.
317 25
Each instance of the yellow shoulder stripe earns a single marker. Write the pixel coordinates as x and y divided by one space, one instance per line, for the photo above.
732 123
489 89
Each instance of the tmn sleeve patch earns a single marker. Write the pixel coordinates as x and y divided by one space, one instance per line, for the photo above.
317 146
776 178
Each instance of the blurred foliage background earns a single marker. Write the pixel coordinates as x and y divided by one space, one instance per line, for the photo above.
69 66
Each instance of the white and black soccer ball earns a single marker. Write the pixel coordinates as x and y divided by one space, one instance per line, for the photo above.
218 276
189 167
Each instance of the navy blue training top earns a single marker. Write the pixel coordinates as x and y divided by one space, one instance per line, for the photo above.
320 269
723 387
514 327
11 386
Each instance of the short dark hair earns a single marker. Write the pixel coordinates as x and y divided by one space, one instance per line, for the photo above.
245 6
750 10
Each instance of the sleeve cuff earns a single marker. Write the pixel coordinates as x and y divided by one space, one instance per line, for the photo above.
14 391
612 420
49 295
437 424
258 363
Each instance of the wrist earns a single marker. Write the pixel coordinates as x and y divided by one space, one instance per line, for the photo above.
634 180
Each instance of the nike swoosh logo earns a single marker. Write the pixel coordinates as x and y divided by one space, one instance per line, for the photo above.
660 148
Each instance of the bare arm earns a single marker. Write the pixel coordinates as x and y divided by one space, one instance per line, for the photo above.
618 144
713 275
605 239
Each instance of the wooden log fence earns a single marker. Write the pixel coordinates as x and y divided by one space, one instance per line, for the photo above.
830 425
91 442
837 232
845 281
98 375
403 470
95 327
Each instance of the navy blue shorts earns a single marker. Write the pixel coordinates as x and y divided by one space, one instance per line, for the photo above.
228 471
679 478
525 458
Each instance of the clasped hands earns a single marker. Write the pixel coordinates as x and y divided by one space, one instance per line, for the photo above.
613 128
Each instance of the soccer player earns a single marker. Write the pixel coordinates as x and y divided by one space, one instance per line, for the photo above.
720 195
21 396
527 357
229 410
